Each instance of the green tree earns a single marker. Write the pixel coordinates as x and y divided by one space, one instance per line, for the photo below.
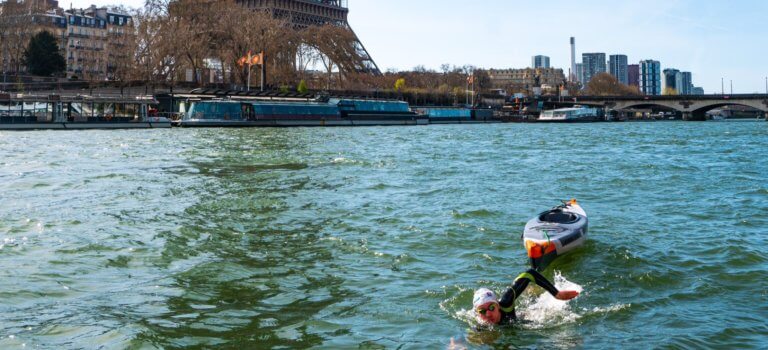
399 84
42 55
302 89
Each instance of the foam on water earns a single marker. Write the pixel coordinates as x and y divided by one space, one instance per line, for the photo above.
545 311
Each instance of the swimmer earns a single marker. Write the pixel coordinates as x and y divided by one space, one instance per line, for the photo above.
490 310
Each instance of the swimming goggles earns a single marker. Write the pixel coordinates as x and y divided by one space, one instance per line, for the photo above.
482 311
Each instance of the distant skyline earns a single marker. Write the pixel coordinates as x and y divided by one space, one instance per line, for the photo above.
711 39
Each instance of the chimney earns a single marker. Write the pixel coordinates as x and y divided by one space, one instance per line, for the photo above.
572 76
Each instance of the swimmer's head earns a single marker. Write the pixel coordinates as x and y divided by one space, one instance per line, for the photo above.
486 306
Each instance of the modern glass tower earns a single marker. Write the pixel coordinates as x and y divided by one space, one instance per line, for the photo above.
579 73
593 63
540 61
617 65
650 77
687 88
673 81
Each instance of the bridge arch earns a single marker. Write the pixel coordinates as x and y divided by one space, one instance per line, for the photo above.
645 105
690 109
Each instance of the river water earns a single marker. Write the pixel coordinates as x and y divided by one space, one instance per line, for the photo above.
375 238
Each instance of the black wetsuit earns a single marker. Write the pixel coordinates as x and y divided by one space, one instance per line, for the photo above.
507 301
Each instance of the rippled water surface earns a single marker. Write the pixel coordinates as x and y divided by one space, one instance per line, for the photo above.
375 238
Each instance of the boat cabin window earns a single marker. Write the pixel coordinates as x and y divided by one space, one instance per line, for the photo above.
246 111
87 109
120 110
131 110
76 111
42 111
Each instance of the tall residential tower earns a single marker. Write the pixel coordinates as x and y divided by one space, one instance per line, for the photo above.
540 61
617 65
650 77
593 63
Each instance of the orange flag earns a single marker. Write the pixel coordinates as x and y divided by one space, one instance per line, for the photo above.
251 59
258 59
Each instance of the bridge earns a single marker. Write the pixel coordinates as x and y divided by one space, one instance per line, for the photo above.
692 107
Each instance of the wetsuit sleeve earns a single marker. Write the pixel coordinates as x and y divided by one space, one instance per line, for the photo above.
521 282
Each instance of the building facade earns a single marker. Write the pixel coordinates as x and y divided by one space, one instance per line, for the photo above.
617 66
633 75
93 41
540 61
86 46
526 78
580 73
687 87
19 22
672 81
697 91
650 77
593 63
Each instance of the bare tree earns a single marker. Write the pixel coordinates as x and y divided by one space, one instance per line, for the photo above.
15 33
604 84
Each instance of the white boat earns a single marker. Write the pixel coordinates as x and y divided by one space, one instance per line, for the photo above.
30 112
571 115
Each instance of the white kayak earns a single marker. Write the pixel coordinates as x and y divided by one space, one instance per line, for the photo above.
555 232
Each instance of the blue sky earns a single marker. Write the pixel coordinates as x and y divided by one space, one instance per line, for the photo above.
711 39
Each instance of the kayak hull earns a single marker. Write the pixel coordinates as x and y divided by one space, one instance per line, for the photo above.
554 233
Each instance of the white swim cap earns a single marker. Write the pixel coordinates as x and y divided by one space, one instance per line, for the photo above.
483 296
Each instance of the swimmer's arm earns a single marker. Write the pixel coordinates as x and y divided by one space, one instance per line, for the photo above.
512 293
522 281
549 287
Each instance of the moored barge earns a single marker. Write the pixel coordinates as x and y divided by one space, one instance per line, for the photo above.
457 115
29 112
268 113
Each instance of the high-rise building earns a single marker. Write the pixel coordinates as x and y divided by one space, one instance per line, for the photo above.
579 73
617 65
687 87
540 61
697 91
633 75
650 77
673 82
593 63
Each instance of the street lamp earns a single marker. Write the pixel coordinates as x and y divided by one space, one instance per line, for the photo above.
722 85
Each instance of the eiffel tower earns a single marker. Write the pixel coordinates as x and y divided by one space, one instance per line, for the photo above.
305 13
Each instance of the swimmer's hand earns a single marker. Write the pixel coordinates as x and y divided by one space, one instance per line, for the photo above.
566 294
